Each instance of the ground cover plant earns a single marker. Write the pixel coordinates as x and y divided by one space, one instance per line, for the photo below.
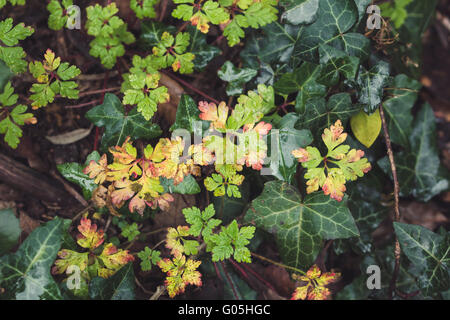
245 149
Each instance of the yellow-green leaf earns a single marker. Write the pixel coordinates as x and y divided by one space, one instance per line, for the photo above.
366 128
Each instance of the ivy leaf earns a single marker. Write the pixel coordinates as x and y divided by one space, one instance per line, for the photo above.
152 32
276 45
188 186
73 172
5 75
120 286
335 20
419 171
202 51
300 11
188 115
320 114
26 274
299 227
366 128
398 109
236 77
370 84
9 230
118 125
334 63
365 204
430 254
303 80
283 164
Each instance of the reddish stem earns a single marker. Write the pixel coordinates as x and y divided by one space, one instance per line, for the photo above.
97 129
257 276
229 280
187 85
83 104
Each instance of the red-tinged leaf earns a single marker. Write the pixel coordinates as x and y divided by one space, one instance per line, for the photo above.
89 238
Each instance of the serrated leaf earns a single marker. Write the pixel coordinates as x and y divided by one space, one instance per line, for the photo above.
120 286
366 128
430 254
118 125
299 226
26 274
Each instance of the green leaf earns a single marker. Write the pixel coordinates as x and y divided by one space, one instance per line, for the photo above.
26 274
236 77
365 203
299 11
299 227
118 125
430 254
152 32
370 84
120 286
143 8
334 63
335 20
202 51
366 128
5 75
149 258
187 115
276 45
398 109
419 171
283 164
304 81
188 186
73 172
397 13
9 230
320 114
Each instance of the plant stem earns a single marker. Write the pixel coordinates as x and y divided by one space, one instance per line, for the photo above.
277 263
397 250
229 280
257 276
188 85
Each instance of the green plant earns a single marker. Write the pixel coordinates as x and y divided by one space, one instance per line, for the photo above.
212 162
13 118
10 35
53 78
236 15
110 33
58 13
